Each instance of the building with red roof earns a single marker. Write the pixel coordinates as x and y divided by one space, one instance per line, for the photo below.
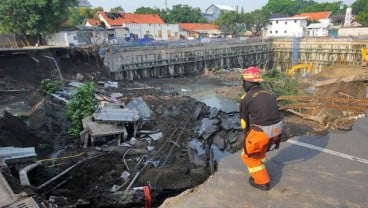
116 20
92 22
316 16
321 22
197 30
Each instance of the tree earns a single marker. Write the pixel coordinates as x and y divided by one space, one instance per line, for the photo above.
280 7
77 15
260 19
334 7
233 21
300 4
360 9
359 5
147 10
33 17
362 17
117 9
185 14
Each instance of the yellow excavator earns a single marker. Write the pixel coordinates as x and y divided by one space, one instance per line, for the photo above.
307 67
364 52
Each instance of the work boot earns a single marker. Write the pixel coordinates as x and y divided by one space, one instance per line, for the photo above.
264 187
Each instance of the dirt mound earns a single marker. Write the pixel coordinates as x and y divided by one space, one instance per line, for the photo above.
14 132
340 70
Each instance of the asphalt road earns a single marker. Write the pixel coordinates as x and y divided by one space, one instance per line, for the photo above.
328 171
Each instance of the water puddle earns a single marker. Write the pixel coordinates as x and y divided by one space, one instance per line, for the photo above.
206 93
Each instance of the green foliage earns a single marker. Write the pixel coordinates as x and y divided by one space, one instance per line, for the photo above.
280 83
333 7
148 10
81 105
77 15
281 7
117 9
50 86
33 17
300 4
178 14
185 14
360 8
232 21
362 17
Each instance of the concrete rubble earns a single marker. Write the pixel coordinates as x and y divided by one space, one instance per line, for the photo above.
203 152
13 154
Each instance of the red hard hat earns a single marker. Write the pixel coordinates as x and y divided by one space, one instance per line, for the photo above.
252 74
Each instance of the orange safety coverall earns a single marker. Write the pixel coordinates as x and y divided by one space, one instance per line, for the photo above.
253 155
262 106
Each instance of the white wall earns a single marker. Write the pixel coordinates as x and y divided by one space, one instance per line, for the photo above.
353 31
325 21
286 27
317 32
58 39
159 31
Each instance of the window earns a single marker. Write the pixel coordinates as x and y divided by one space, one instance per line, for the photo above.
285 22
276 31
169 33
295 21
277 22
159 33
270 31
285 31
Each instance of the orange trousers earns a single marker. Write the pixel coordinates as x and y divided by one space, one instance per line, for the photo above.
254 155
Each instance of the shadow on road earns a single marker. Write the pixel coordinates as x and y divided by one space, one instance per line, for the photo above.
293 154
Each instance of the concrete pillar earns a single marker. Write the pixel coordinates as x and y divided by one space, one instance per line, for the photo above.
171 70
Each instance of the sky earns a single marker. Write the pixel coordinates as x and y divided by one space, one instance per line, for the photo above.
132 5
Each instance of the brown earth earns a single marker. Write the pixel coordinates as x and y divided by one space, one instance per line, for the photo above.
171 113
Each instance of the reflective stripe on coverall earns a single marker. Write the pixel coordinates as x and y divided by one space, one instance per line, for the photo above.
254 153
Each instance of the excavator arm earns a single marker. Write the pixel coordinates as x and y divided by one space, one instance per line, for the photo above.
364 52
293 69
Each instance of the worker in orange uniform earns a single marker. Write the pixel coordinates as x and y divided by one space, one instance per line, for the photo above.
262 125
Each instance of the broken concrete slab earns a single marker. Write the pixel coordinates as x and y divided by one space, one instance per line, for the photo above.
196 153
156 136
230 121
207 128
99 129
139 105
17 153
116 115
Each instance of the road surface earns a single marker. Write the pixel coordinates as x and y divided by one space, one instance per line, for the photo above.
328 171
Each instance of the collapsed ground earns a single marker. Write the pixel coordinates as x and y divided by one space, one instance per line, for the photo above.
46 127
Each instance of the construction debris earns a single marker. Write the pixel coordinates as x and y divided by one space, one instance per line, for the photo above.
329 112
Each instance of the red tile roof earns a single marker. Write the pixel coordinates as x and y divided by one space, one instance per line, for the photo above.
198 26
93 22
315 15
116 19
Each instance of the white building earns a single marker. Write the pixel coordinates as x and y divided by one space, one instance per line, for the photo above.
317 30
214 11
286 27
156 31
320 23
